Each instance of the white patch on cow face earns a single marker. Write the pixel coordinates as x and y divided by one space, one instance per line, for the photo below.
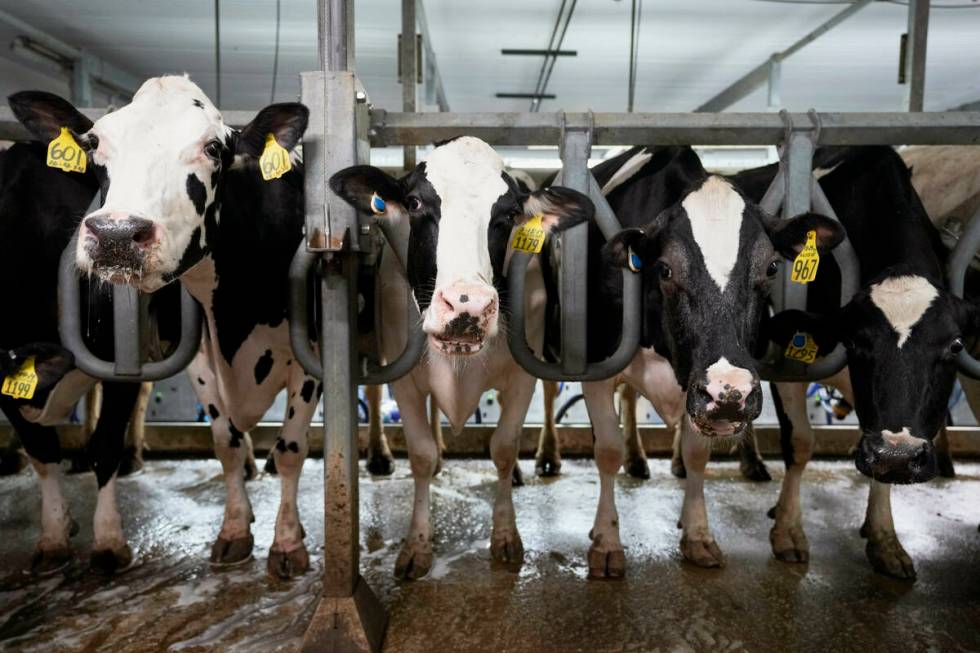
903 438
903 300
466 174
630 168
715 213
724 379
149 148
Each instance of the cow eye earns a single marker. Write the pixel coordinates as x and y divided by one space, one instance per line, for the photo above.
956 346
413 203
665 272
213 150
772 269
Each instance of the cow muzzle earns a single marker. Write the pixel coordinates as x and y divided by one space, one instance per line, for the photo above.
726 401
899 458
461 318
117 246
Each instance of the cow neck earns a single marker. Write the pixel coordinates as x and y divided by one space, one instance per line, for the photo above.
200 280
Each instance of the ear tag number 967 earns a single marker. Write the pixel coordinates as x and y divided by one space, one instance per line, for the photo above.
274 161
22 383
65 153
529 237
806 262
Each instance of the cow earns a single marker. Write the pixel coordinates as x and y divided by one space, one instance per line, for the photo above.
183 199
40 207
902 331
707 255
458 209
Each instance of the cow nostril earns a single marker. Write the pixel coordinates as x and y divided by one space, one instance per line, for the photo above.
142 231
463 299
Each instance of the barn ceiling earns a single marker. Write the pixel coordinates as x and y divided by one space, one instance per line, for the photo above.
689 50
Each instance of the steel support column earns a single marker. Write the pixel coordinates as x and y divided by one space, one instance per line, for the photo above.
774 84
408 68
915 54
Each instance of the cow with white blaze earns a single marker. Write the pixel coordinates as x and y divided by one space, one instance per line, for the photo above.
707 255
183 199
458 210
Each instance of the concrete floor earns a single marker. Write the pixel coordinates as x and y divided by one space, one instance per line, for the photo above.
171 600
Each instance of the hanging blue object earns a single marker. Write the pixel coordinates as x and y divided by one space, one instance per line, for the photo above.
377 204
635 262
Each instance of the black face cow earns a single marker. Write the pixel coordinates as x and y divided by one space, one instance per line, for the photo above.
458 211
707 255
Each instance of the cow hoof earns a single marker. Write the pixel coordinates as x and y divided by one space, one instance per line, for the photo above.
111 561
789 544
547 465
381 463
888 557
47 562
754 470
677 468
225 553
703 552
270 466
517 476
414 561
284 565
507 547
944 461
12 461
637 467
606 560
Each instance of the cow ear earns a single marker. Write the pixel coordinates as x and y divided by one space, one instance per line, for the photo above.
782 327
44 114
285 121
51 362
559 207
628 243
369 190
789 236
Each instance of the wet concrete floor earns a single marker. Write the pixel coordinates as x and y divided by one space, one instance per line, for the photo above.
171 600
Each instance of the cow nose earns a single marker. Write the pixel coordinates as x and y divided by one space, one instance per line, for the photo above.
896 457
121 232
728 386
466 300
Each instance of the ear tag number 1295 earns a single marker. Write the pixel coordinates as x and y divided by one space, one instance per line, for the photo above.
22 383
65 153
529 237
274 161
806 262
802 348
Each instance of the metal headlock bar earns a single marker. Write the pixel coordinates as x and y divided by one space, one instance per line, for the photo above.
959 262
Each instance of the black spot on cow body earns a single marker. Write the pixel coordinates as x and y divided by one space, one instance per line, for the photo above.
293 446
307 390
292 411
280 444
263 366
236 436
319 390
197 192
200 380
213 411
198 103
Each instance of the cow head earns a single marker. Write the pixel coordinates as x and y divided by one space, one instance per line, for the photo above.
160 161
462 208
902 333
708 262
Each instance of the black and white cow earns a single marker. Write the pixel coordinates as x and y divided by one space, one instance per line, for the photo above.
458 210
40 208
902 331
707 255
183 199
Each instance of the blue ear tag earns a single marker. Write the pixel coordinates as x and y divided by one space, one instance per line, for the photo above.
634 262
799 340
377 204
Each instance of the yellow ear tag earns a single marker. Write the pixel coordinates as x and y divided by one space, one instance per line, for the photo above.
806 262
529 237
802 348
66 154
274 161
22 383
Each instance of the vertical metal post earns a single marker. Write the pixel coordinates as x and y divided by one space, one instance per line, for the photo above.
349 616
81 83
408 69
775 83
575 148
915 54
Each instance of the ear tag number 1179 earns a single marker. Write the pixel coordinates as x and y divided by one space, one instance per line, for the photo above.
806 262
529 237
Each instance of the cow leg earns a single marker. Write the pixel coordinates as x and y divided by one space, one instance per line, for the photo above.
132 460
435 424
547 459
517 477
676 458
288 556
415 557
505 540
697 544
606 556
636 457
787 538
78 461
884 551
750 462
110 552
380 462
52 552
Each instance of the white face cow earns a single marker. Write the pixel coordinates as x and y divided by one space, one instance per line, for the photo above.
159 160
462 208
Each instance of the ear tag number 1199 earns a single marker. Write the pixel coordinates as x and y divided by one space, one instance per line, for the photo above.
529 237
806 262
22 383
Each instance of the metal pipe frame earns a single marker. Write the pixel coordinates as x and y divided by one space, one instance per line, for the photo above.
408 69
959 262
915 54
